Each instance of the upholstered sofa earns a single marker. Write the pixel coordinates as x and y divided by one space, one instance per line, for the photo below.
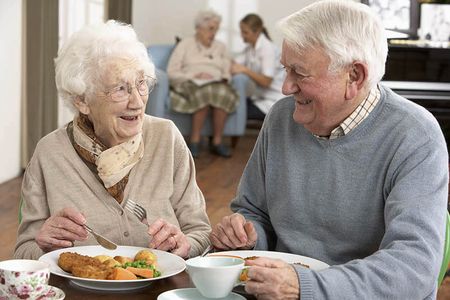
159 101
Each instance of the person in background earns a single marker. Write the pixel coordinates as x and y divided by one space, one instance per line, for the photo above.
344 170
85 172
199 74
260 60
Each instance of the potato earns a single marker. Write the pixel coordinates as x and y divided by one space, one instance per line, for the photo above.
102 258
146 255
123 259
111 263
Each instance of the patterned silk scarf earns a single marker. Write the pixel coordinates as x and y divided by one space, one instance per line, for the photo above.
113 164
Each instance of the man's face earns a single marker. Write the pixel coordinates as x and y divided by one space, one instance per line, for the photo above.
320 104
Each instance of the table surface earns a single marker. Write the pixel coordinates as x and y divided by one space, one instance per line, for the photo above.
148 293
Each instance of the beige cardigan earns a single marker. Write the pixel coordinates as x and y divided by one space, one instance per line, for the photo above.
163 182
190 58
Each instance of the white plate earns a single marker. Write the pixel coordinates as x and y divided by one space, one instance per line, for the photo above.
193 294
290 258
314 264
169 264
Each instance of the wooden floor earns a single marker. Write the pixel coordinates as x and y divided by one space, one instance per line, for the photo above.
217 177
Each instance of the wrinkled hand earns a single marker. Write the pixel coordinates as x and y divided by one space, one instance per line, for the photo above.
237 68
168 237
233 232
203 75
61 230
272 279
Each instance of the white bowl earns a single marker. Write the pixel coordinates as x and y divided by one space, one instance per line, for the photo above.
213 276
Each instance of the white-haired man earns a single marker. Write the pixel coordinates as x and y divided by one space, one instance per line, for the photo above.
344 170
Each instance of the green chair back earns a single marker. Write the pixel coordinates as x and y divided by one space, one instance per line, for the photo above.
446 258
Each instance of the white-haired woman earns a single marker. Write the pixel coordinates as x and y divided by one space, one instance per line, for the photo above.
85 172
199 72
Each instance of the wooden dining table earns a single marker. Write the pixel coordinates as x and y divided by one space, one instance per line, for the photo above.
150 292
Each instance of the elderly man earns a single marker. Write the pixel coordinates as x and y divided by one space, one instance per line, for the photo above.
357 177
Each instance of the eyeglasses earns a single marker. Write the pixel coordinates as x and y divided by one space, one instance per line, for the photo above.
122 92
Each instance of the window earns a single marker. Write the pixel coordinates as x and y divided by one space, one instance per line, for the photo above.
74 14
397 15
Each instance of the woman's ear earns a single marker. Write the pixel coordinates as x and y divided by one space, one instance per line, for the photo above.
357 77
81 105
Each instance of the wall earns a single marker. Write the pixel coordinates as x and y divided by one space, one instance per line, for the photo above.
10 85
158 22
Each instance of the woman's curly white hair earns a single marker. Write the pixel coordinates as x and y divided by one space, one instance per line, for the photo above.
79 60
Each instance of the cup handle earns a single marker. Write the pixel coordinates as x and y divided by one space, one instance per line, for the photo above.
242 276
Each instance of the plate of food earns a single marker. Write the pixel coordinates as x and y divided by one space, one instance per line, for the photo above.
290 258
304 261
125 268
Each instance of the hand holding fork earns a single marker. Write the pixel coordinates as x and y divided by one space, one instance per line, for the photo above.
164 236
137 210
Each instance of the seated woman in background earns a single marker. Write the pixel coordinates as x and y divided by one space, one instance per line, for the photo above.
85 172
260 60
199 72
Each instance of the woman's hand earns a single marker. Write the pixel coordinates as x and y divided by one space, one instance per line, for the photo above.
233 232
168 237
61 230
271 279
203 75
238 68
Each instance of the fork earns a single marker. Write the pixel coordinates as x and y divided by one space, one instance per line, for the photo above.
137 210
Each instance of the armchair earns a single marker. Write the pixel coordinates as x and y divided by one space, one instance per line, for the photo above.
159 100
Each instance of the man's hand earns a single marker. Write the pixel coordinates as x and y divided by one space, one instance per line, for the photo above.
61 230
272 279
233 232
168 237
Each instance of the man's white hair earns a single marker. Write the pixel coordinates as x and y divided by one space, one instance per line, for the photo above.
204 16
77 66
347 31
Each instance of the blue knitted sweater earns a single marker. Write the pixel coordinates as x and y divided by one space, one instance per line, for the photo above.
372 203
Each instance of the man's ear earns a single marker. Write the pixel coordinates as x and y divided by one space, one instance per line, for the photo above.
81 105
357 77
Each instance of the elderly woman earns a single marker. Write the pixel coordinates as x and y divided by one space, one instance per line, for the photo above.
199 71
260 60
85 172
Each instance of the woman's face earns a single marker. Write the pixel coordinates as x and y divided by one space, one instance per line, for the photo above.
116 120
207 32
249 36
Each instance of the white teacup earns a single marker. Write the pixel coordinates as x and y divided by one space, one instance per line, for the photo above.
23 279
214 276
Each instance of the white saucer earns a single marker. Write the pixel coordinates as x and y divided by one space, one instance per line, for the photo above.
54 293
193 294
51 293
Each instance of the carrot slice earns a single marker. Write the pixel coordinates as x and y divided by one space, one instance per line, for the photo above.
145 273
122 274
